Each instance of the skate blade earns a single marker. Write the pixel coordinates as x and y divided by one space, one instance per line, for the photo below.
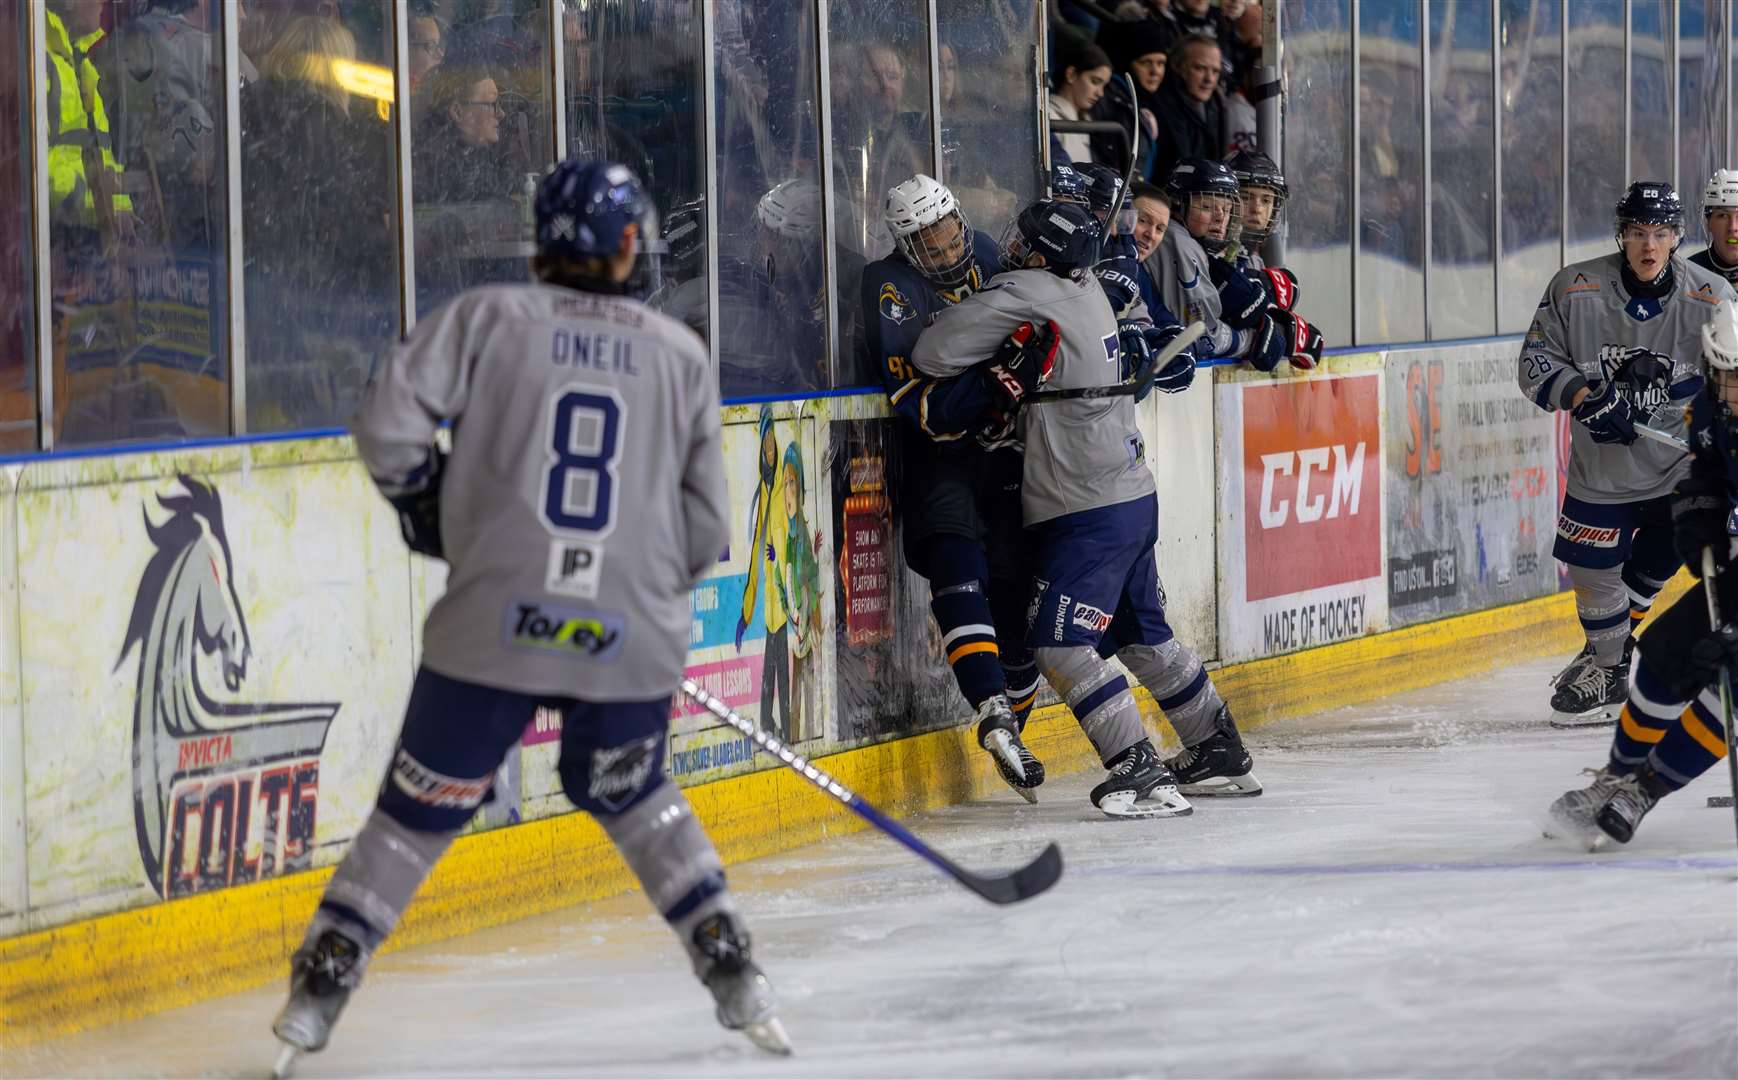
286 1063
1000 744
1600 717
770 1036
1580 834
1161 802
1223 787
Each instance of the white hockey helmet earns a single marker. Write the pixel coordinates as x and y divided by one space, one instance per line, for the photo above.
792 210
913 207
1721 192
1720 339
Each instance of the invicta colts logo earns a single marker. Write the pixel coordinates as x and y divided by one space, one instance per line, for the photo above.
223 792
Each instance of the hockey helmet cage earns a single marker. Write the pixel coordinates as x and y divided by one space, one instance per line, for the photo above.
1650 202
1066 234
584 207
913 207
1255 170
1720 339
1067 185
1201 178
1721 192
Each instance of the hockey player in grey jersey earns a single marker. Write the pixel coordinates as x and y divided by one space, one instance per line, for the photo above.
1091 509
1720 218
583 498
1616 341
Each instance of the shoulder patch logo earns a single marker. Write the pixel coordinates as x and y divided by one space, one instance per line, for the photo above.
895 308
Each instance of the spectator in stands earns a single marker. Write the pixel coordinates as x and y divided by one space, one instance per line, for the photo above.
876 140
457 156
1076 85
1223 24
1138 50
1191 115
428 47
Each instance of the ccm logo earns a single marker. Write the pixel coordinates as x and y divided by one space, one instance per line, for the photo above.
1330 495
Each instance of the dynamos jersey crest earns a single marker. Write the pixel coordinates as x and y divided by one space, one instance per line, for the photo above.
223 792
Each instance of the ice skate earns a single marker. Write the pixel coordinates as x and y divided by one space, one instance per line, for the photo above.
1573 668
321 978
1217 766
1629 802
1592 698
1571 817
999 733
746 1002
1139 785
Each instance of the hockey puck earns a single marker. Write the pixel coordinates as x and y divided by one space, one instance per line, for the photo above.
1719 800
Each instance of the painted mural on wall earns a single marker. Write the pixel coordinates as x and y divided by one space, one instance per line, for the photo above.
223 793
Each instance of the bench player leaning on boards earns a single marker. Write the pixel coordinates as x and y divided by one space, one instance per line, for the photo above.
1670 729
1089 507
1617 341
1720 217
583 421
960 499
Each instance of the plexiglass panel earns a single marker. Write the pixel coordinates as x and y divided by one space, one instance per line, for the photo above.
17 288
480 141
878 72
1532 192
1701 102
989 127
1462 162
1391 161
319 220
1595 125
771 265
1318 146
137 222
1651 154
635 94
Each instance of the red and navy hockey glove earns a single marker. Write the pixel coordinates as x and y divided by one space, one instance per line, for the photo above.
1021 365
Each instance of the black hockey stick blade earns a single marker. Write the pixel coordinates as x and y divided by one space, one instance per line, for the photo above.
1010 888
1182 341
1719 800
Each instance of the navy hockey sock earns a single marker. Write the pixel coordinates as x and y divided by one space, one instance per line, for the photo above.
1651 711
961 607
1693 745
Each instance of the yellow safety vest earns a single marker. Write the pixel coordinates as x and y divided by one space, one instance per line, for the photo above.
77 122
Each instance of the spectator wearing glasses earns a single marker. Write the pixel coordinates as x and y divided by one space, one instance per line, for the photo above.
458 156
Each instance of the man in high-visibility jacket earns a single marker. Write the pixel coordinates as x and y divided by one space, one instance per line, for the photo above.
81 158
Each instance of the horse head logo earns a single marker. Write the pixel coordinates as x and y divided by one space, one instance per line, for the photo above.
198 759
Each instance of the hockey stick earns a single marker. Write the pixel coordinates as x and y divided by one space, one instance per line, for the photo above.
1022 884
1134 152
1659 436
1182 341
1710 581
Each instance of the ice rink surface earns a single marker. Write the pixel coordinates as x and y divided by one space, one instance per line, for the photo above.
1387 908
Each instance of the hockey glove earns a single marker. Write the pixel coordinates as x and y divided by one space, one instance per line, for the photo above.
418 503
1268 346
1708 657
1178 372
1699 514
1303 342
1244 295
1119 278
1020 366
1608 414
1282 286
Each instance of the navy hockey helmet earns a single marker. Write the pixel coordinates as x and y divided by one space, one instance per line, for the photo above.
1064 233
1650 202
1210 189
1256 171
1103 183
584 207
1067 185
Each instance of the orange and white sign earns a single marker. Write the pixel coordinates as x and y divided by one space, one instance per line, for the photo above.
1301 461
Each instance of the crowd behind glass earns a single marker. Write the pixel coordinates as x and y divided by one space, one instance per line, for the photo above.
134 104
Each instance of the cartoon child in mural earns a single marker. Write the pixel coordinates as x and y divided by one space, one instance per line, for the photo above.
786 558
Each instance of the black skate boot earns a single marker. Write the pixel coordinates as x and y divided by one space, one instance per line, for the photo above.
745 999
1573 668
999 733
1572 815
1217 766
1592 697
321 978
1633 797
1139 785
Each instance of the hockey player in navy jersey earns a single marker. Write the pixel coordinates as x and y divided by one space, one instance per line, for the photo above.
583 498
1720 218
1671 729
1091 513
960 500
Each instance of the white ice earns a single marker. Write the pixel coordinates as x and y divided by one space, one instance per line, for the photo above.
1387 908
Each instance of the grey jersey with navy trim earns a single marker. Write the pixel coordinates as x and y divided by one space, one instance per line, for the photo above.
1081 454
1584 331
584 496
1179 269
